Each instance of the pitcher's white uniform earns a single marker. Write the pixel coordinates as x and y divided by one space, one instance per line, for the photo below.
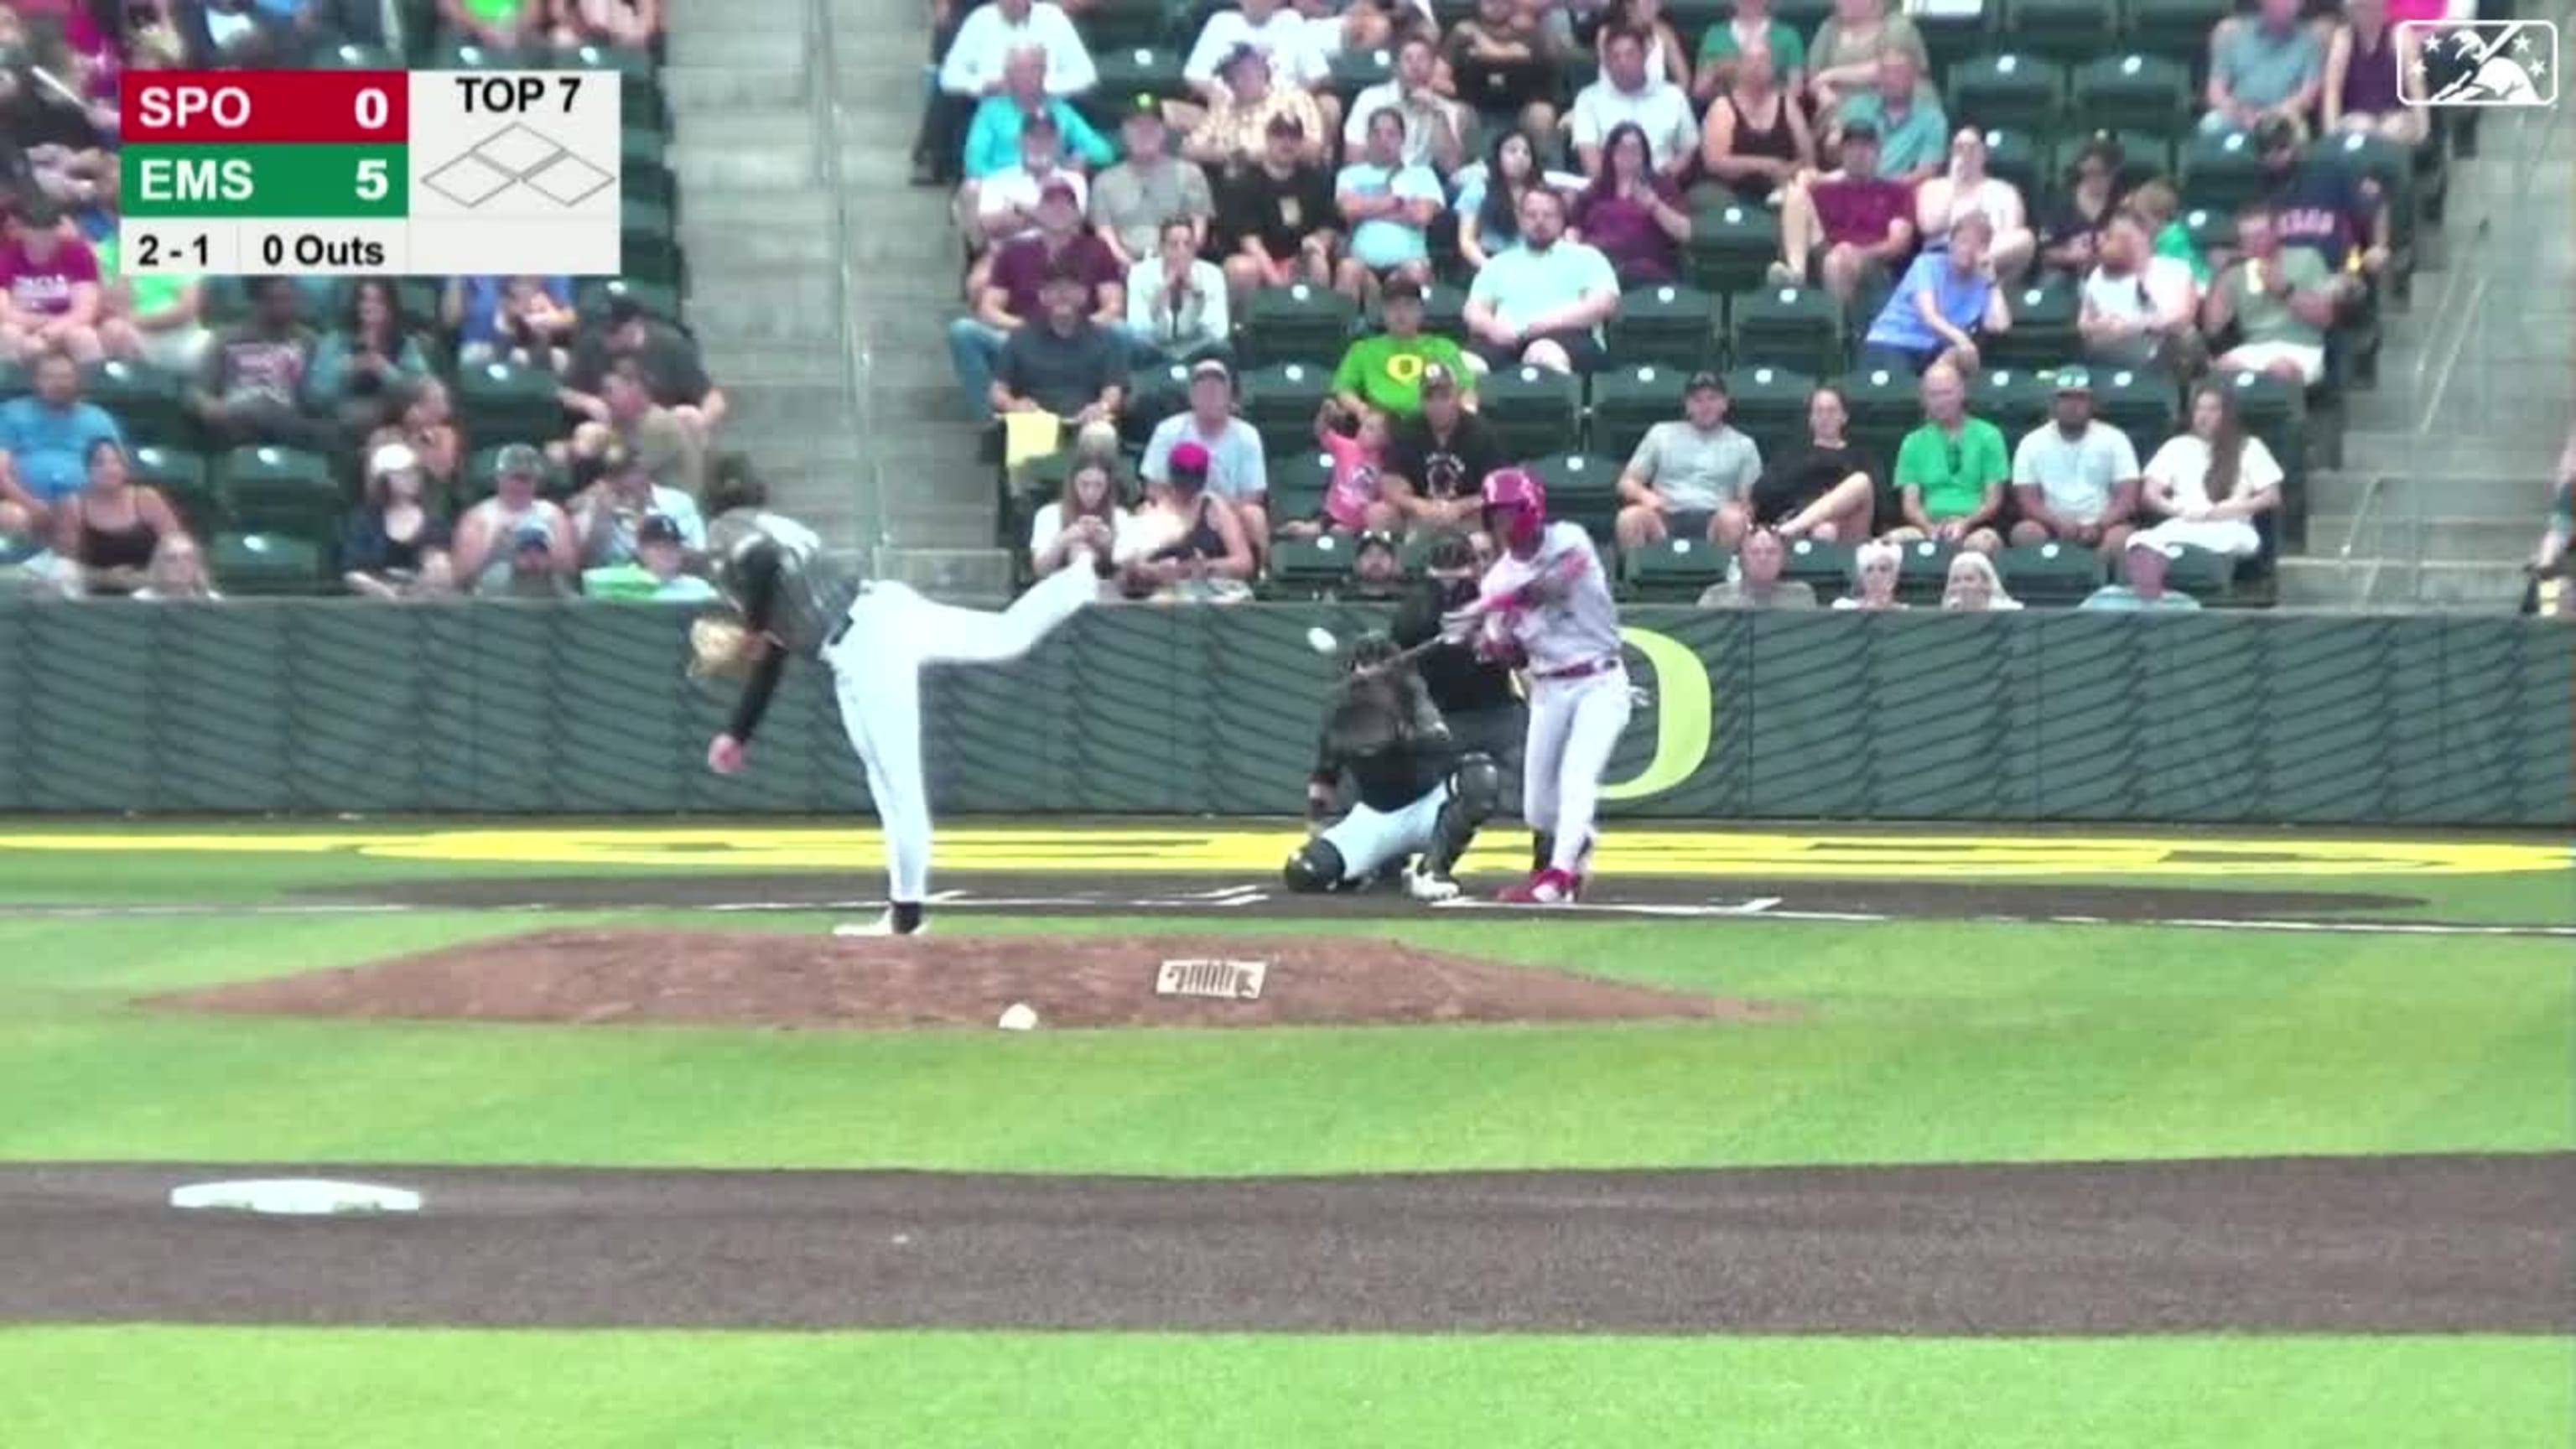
1578 689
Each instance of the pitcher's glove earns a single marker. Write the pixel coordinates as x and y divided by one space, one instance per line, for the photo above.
720 648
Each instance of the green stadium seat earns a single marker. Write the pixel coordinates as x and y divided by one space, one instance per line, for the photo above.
150 402
2148 94
1885 405
252 564
1121 24
1356 70
500 402
1282 399
592 297
2011 91
1301 322
2014 399
1732 246
226 299
1129 68
281 490
1444 313
2015 157
638 84
2220 172
455 54
352 57
1153 394
2050 573
2198 572
186 480
1310 566
1769 405
2143 403
1664 323
1952 32
1923 570
1583 487
2385 162
1535 412
2044 314
1677 570
482 470
2066 30
2175 29
1298 483
1626 401
2143 157
1824 567
1798 328
649 237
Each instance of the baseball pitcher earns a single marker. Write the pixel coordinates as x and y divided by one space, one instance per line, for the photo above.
1417 794
1545 606
875 638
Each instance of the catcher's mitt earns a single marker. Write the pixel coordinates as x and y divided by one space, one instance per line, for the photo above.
719 647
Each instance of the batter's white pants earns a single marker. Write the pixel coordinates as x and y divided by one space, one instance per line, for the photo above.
1574 724
876 673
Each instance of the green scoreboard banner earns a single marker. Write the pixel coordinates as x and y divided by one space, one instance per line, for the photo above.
581 708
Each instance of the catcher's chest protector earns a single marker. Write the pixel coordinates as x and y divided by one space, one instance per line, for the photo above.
811 601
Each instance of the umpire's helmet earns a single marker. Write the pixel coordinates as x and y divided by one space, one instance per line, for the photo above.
1370 650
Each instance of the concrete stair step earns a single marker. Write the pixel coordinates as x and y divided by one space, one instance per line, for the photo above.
2395 535
960 574
702 91
735 40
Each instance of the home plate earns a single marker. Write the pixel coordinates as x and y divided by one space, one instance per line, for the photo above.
299 1197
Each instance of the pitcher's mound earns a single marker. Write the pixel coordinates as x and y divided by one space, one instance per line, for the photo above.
708 978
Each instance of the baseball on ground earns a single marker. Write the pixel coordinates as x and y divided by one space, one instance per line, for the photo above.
1019 1016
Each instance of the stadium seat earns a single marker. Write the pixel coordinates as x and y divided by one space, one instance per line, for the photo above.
2064 30
1298 482
1677 570
1302 322
1669 324
1534 411
2012 398
2175 29
253 563
500 402
2043 331
2144 404
640 100
455 54
1797 328
2220 172
1732 246
2016 157
1444 313
281 490
1581 486
2137 92
2209 230
1952 32
1626 401
1114 26
185 479
2013 91
352 57
2200 573
1923 569
2143 157
1356 70
2050 573
1769 405
1153 394
650 240
2389 164
1281 400
1309 566
1132 68
150 402
592 296
1885 404
1825 567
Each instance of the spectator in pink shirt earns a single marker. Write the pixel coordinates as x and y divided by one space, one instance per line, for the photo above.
1354 503
50 296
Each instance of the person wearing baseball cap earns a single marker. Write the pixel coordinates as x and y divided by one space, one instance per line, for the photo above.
1149 187
1247 99
1064 362
1438 458
2143 565
493 533
1385 369
658 572
2075 477
1847 226
1691 478
1233 466
1009 299
1193 547
998 138
1008 200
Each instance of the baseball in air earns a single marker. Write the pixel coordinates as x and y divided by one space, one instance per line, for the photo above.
1019 1016
1320 639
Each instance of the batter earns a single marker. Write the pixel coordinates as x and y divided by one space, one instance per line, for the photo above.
1546 606
874 637
1417 792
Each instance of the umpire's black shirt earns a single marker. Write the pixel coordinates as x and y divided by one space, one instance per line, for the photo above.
1460 683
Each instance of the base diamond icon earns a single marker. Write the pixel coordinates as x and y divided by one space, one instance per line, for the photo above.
468 180
518 158
568 179
518 151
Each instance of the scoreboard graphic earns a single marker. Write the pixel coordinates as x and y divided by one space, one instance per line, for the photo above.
347 173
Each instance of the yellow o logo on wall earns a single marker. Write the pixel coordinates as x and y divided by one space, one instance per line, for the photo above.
1685 718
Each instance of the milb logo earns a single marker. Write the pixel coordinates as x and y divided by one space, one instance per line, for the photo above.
2478 63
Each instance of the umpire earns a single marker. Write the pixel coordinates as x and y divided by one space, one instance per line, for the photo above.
1474 695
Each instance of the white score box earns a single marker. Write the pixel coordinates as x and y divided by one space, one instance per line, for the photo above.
169 247
325 247
515 172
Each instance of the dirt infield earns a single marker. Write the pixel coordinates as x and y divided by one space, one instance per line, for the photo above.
1210 895
2323 1245
714 978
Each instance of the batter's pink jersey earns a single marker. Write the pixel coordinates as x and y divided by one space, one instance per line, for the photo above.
1574 623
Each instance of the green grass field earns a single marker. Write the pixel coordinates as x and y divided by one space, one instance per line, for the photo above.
1922 1042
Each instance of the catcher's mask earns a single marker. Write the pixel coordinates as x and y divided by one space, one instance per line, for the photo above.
1369 651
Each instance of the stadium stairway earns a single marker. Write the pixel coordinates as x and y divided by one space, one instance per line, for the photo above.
821 282
2444 476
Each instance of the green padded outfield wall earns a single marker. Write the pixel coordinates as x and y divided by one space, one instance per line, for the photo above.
310 706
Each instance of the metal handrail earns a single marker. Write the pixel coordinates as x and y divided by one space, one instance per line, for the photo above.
856 360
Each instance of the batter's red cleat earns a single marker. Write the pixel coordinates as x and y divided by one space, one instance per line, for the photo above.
1550 887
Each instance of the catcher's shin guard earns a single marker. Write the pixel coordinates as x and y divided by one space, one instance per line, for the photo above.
1475 792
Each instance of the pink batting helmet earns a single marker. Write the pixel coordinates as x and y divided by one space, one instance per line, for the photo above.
1521 503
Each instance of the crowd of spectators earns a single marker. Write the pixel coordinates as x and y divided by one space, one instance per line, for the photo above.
1539 165
169 436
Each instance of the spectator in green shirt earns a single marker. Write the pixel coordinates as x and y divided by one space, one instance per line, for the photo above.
1951 472
1385 371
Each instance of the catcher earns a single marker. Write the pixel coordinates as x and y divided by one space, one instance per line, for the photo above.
874 637
1417 793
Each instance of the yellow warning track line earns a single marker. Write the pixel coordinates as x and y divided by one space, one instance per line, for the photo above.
1186 848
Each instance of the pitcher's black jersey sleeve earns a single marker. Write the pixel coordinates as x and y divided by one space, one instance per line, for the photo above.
757 573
